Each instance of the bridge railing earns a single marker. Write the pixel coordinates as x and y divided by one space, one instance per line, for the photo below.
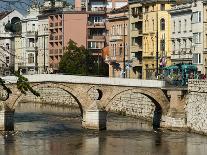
89 80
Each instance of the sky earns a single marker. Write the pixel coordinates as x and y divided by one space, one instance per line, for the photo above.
20 5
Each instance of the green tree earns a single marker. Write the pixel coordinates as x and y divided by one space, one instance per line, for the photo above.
74 60
78 60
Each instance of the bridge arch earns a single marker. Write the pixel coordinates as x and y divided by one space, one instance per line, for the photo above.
129 96
76 94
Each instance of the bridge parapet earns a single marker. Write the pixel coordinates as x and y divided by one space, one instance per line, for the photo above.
90 80
197 85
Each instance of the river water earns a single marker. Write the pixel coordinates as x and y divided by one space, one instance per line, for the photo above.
46 130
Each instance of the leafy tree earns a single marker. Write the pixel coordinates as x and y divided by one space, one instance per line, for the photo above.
78 60
74 59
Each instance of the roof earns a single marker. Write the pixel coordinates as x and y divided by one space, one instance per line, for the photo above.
4 14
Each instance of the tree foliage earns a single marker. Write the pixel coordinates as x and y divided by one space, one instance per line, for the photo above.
74 59
78 60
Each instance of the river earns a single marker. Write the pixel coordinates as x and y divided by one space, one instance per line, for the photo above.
46 130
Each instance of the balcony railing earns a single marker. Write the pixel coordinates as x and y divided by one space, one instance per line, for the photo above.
98 9
115 37
102 24
96 37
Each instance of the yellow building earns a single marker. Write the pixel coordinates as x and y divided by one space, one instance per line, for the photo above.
156 24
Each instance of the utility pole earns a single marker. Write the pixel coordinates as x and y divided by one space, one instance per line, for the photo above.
36 54
44 52
157 41
124 65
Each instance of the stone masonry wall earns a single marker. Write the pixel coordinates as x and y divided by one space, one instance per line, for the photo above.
54 96
133 104
196 107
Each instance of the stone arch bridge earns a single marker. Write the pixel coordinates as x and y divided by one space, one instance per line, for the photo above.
97 95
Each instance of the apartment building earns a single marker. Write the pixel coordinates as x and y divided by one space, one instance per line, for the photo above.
189 34
156 37
136 39
29 52
96 27
10 26
118 58
181 33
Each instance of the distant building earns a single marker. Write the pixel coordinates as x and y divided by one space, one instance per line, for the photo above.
96 28
29 50
118 58
10 26
136 39
189 34
156 37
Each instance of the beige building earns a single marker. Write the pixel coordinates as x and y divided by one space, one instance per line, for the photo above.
135 39
118 59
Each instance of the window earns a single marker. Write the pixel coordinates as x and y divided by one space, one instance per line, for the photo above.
7 60
146 8
196 38
134 26
179 44
184 43
185 25
162 45
179 27
30 58
33 27
196 17
197 58
173 26
120 49
134 41
7 46
114 49
153 25
162 24
173 45
162 7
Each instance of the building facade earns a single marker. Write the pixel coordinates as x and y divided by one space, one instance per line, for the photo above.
181 34
10 26
156 37
136 39
188 34
29 53
118 59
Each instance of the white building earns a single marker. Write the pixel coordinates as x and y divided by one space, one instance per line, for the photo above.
29 53
10 26
43 55
188 33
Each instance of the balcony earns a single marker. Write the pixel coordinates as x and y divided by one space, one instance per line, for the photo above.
96 38
110 59
115 38
51 25
96 25
30 48
31 34
99 10
136 48
136 62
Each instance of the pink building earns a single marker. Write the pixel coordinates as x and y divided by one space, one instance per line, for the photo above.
75 27
64 26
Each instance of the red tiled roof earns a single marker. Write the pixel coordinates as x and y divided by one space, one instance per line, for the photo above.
4 14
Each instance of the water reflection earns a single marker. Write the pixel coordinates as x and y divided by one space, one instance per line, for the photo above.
58 132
